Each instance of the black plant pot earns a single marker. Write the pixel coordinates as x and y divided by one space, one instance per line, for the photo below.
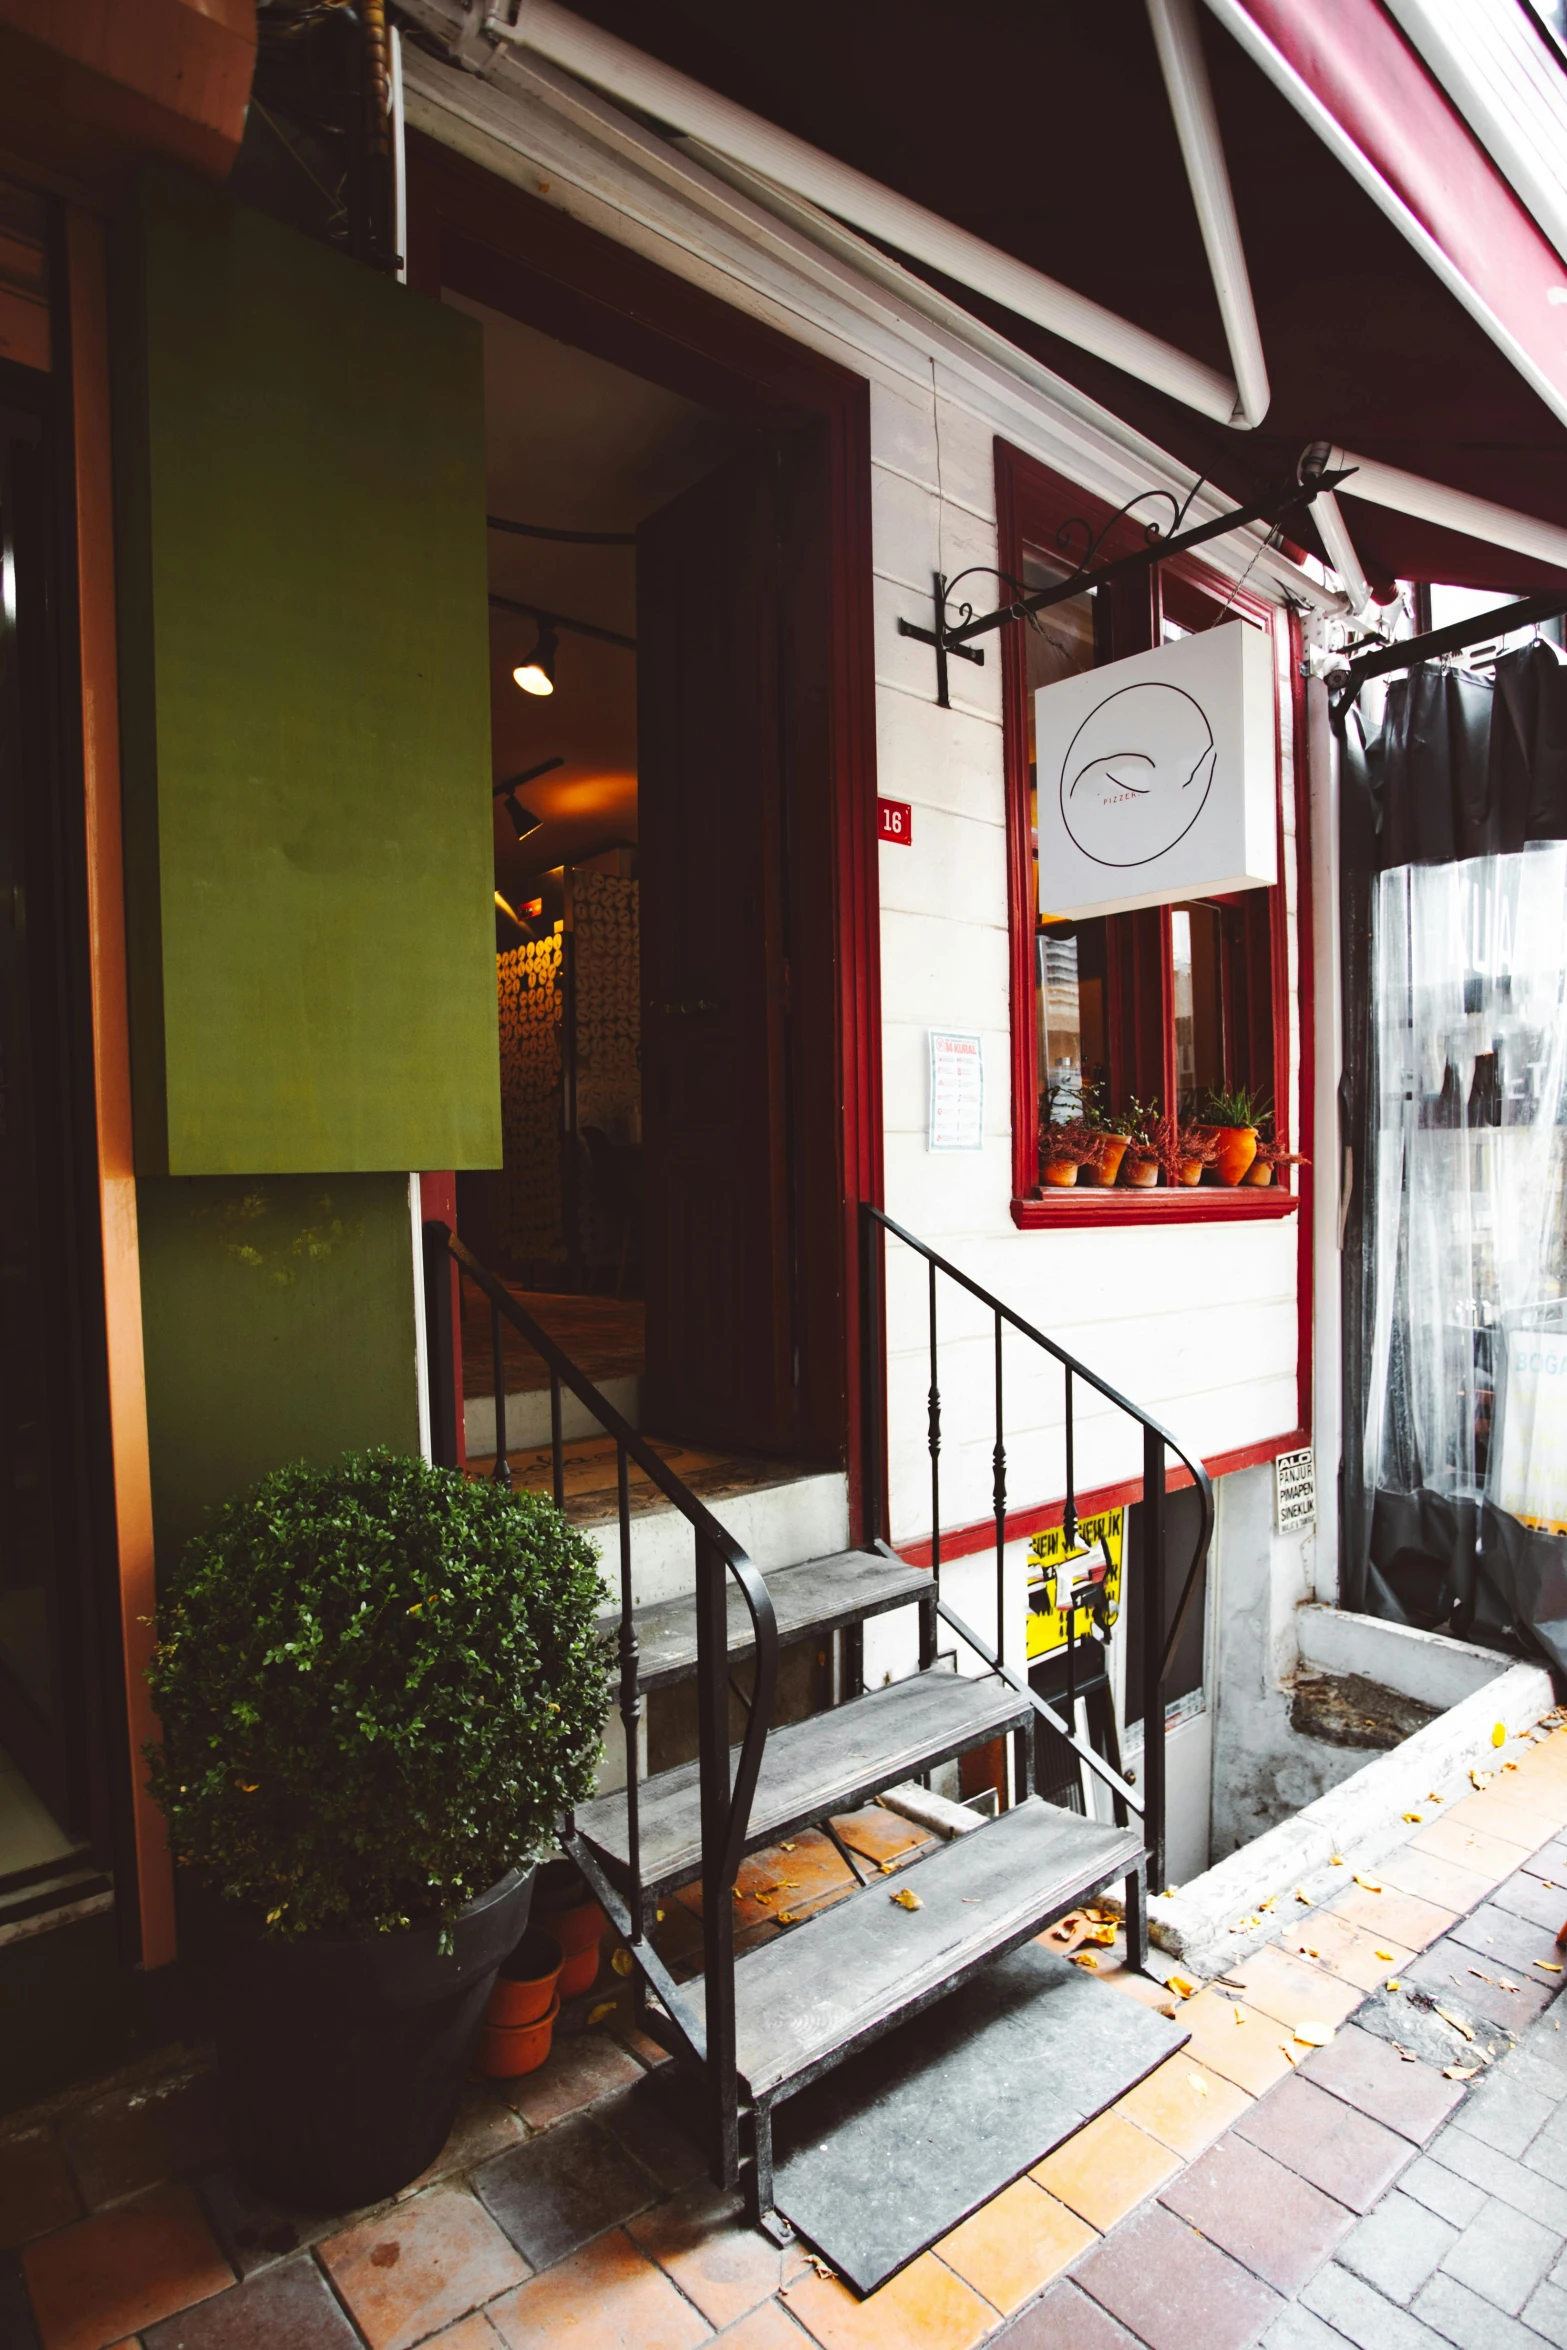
342 2057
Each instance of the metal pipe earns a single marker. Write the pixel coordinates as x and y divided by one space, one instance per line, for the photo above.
1153 1653
1433 501
1333 531
1327 1370
652 87
1185 70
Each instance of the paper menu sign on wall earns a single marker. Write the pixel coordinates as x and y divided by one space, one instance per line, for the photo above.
957 1091
1157 776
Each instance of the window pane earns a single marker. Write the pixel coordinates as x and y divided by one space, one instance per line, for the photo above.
1069 960
1197 967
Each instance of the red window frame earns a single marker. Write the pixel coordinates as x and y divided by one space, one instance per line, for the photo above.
1033 505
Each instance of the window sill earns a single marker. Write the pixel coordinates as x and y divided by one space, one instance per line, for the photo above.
1197 1205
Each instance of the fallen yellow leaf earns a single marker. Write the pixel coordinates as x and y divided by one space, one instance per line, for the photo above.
1314 2035
1302 1895
1386 1957
1509 1766
786 1848
1465 2031
1198 2083
1499 1735
597 2014
1236 2016
1433 1799
1459 2072
1416 1816
1181 1985
1103 1935
1171 1891
1336 1861
907 1899
1392 1983
1085 1958
1549 1965
622 1961
1368 1884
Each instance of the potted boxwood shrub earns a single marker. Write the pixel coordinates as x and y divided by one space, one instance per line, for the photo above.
380 1687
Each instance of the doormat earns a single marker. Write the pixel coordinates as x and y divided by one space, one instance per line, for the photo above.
878 2160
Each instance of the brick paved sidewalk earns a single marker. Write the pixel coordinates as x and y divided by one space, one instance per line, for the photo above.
1399 2188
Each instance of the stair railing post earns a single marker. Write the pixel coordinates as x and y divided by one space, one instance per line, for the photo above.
1153 1653
630 1700
442 1289
872 1384
999 1502
718 1925
502 1469
928 1619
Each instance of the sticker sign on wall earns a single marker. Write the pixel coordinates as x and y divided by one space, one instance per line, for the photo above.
1295 1489
895 821
1157 776
957 1091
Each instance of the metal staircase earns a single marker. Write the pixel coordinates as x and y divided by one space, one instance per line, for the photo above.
757 2030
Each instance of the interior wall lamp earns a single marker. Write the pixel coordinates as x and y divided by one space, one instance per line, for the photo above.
522 823
536 675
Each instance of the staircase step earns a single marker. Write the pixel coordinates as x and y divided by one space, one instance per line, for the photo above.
810 1997
826 1764
816 1597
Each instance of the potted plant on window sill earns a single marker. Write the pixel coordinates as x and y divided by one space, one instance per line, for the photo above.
1065 1146
380 1687
1270 1157
1235 1115
1144 1157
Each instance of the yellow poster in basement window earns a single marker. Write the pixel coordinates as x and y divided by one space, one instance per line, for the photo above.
1060 1576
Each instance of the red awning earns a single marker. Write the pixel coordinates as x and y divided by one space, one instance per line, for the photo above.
1044 127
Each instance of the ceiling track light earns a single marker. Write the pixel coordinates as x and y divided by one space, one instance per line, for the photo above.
522 823
536 675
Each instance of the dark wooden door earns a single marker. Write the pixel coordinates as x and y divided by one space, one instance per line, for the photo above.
718 1242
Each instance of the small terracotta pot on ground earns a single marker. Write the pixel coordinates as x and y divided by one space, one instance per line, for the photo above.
509 2050
1060 1171
525 1986
1237 1149
565 1909
1109 1166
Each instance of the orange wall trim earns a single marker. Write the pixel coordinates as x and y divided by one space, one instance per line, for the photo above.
111 1052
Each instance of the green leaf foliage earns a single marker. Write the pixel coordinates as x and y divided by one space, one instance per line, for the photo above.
380 1687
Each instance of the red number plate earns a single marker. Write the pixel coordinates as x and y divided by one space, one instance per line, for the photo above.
895 821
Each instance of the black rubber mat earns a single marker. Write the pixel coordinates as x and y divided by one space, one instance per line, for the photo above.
881 2158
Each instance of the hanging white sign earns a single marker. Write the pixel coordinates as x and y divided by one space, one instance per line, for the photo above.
1157 776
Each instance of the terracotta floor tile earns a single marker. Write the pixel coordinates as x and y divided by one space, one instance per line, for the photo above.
1344 1950
1477 1849
420 2265
651 2132
1392 1916
1292 1990
924 2307
1369 2073
292 2304
880 1835
1015 2244
124 2269
1249 2053
608 2297
36 2193
1183 2105
767 2328
1339 2149
133 2138
253 2230
1267 2217
808 1877
1434 1878
1067 2320
469 2333
721 2263
1518 1815
577 2072
1106 2170
1174 2289
484 2126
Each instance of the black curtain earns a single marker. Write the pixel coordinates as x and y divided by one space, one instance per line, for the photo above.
1452 767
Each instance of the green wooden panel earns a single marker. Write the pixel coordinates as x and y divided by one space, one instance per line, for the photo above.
278 1323
304 634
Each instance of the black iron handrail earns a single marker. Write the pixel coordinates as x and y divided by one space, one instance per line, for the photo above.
725 1806
1158 1650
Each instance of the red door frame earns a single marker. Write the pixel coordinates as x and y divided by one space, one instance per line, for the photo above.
467 228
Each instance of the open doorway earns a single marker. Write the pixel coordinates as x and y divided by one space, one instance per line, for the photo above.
688 1051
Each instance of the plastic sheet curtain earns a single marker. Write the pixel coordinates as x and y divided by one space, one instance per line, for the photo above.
1463 1193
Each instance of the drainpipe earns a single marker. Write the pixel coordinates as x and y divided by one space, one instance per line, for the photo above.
1327 1381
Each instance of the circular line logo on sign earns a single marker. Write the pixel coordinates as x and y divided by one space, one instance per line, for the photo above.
1137 774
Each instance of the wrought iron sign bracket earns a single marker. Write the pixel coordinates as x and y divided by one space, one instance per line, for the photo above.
953 640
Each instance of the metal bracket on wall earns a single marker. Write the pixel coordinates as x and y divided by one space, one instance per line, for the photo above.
953 641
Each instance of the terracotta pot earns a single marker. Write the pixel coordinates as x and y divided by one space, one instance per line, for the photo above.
1061 1171
1143 1174
1237 1149
1109 1166
577 1930
1191 1170
525 1986
509 2050
1259 1172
